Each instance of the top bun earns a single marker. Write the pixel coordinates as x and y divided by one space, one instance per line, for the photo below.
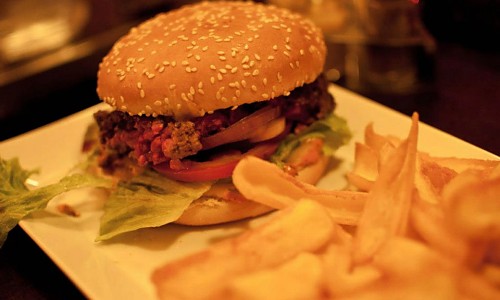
209 56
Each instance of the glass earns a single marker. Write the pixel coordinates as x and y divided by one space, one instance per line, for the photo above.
376 46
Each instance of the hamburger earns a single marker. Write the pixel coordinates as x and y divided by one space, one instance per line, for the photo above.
196 89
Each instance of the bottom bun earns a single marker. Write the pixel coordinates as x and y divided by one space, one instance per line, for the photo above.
223 203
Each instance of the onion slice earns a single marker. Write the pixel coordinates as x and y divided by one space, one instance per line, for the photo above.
242 129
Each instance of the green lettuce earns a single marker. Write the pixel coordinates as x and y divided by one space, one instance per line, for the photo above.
17 201
333 130
147 200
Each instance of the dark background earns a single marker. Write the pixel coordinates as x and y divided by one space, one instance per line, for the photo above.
462 98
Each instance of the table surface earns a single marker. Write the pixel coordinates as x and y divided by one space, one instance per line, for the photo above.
464 102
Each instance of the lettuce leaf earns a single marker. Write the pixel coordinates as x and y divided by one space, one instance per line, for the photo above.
332 129
147 200
17 201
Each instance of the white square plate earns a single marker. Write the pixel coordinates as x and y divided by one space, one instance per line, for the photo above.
121 268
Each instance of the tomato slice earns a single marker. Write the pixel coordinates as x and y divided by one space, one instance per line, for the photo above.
218 168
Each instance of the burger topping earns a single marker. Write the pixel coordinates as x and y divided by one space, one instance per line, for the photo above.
161 139
242 129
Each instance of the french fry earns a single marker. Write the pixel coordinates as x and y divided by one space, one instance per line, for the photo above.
340 276
428 221
365 169
386 212
278 190
299 278
427 228
377 141
304 227
475 217
460 165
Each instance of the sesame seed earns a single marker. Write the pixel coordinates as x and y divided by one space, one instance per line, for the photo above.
157 103
213 67
234 70
143 94
219 76
200 85
139 85
172 86
265 96
254 88
243 83
257 57
191 90
201 91
255 72
270 57
223 71
223 58
212 79
184 97
264 81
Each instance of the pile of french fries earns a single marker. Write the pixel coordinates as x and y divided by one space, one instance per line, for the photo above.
411 226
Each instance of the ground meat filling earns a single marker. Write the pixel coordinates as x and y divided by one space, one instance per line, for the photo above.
155 140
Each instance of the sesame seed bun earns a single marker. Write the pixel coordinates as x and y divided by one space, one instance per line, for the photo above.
209 56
